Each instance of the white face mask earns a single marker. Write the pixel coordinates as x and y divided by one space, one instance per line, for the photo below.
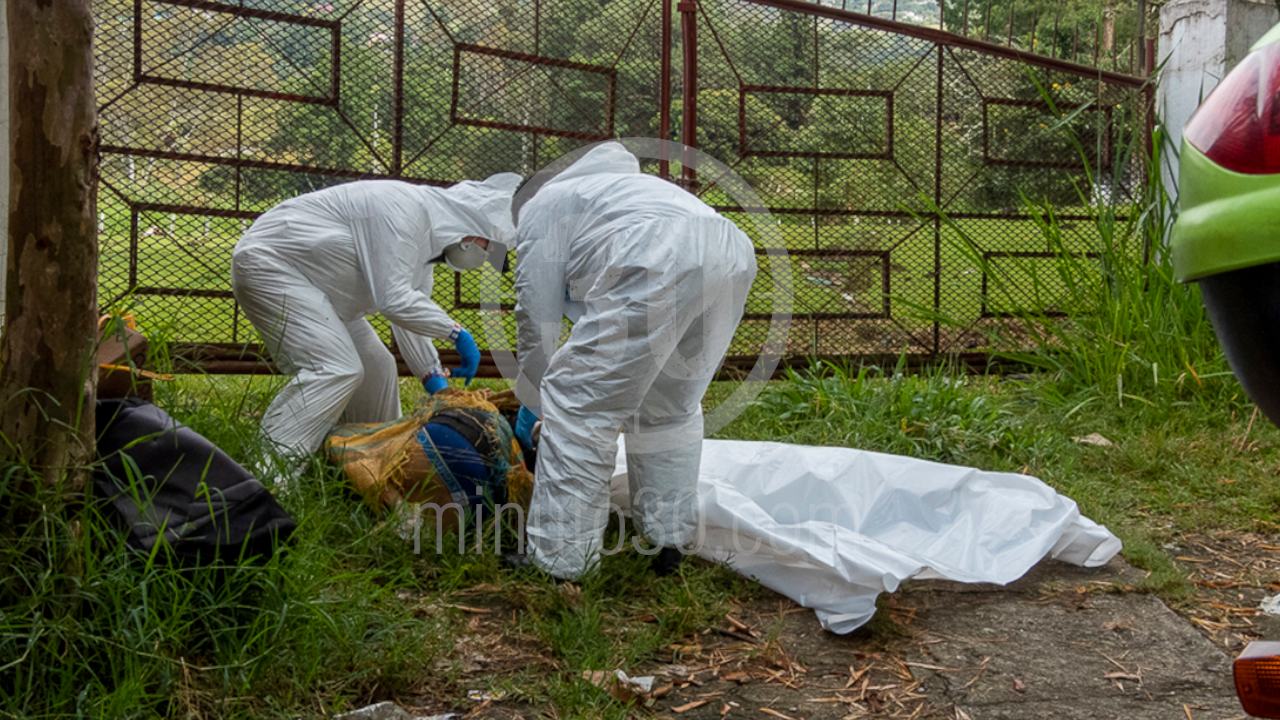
464 255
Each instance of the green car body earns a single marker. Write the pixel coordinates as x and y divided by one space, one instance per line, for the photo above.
1227 220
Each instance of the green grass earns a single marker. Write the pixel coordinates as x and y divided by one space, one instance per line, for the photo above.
122 638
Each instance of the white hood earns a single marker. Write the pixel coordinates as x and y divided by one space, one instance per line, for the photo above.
604 158
607 157
473 208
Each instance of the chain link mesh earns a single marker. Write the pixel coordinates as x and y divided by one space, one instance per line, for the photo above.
854 135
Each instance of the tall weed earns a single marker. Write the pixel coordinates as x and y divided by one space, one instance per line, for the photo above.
938 414
1119 329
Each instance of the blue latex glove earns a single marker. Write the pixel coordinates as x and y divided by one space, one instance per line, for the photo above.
467 350
435 381
524 427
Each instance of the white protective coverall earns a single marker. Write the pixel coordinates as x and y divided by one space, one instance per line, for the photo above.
655 282
310 269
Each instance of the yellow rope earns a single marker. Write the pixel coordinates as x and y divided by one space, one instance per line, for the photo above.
140 371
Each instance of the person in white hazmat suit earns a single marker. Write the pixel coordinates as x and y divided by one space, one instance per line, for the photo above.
310 269
655 283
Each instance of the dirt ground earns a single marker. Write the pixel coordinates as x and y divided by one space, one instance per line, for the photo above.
1232 574
1062 642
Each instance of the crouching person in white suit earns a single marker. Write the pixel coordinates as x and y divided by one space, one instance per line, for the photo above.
655 282
310 269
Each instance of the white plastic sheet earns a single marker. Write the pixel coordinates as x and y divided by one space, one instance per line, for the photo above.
832 528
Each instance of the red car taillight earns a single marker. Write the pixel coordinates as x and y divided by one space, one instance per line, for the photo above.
1238 126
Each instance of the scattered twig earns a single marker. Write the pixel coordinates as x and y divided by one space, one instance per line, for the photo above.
1228 558
1112 660
1240 447
739 625
788 611
960 638
469 609
982 669
737 635
855 676
782 679
939 668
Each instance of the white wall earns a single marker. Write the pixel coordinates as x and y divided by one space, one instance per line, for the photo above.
4 154
1200 41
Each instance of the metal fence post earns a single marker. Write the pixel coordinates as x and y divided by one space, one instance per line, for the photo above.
397 120
689 136
937 202
664 90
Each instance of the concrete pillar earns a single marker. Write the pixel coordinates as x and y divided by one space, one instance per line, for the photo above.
1200 41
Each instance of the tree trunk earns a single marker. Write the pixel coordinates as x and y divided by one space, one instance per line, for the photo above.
1108 31
46 374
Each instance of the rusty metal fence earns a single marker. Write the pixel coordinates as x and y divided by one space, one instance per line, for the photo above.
887 152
